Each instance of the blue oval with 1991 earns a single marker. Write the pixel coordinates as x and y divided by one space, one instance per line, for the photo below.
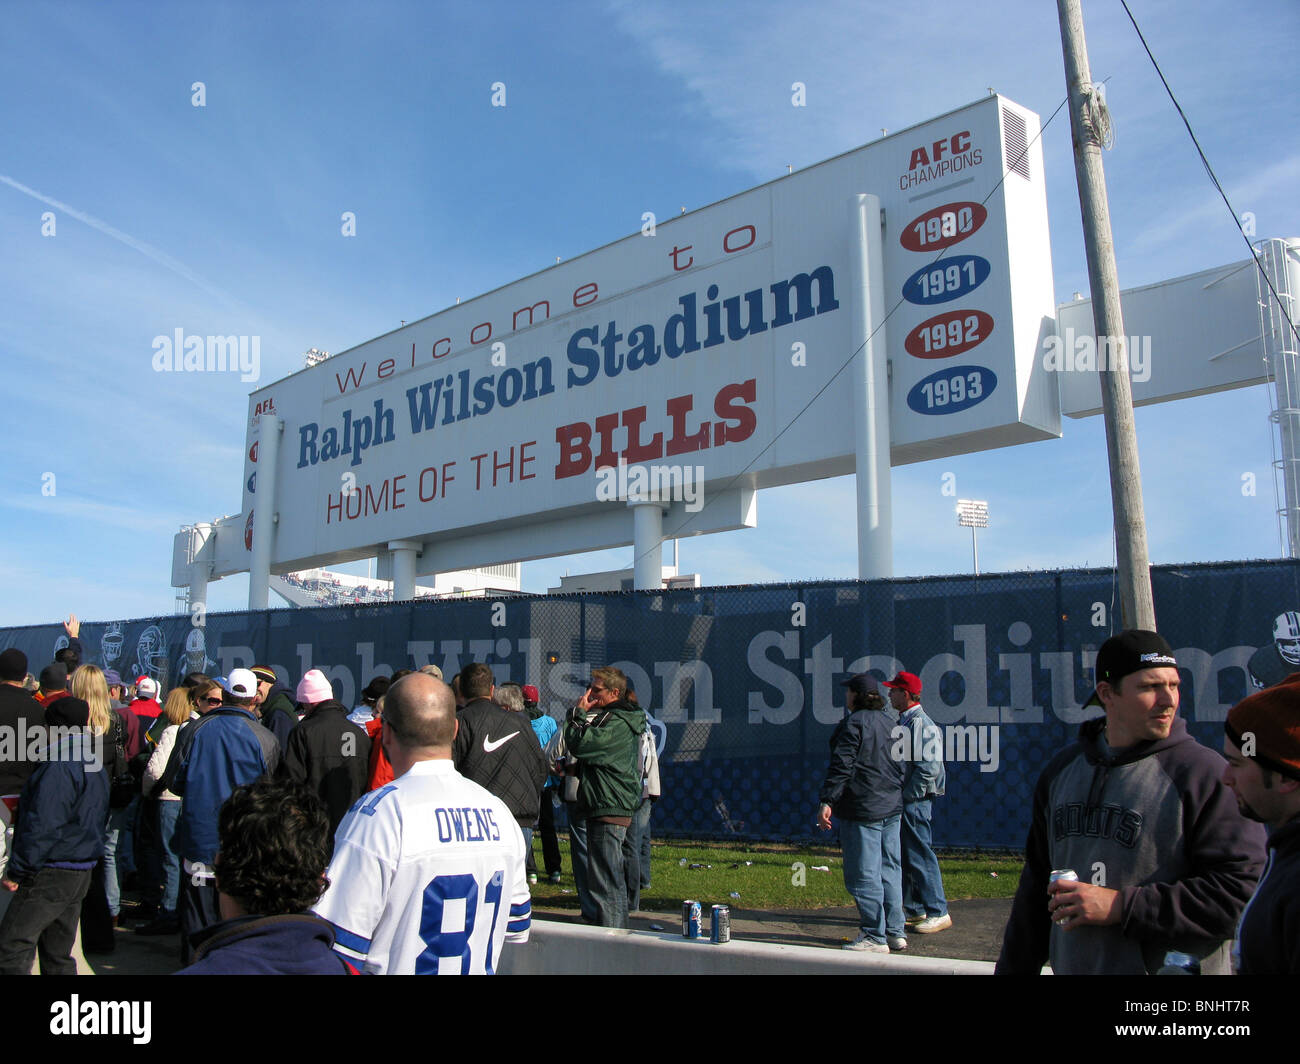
952 390
947 279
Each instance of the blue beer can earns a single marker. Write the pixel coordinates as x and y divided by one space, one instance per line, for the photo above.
691 916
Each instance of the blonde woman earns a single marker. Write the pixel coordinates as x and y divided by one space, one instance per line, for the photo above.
59 835
162 883
90 685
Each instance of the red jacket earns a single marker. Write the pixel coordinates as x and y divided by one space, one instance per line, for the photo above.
381 772
148 708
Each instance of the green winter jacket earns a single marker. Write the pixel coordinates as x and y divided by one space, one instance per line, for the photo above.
607 751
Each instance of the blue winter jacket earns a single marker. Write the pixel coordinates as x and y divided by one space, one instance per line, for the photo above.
297 944
213 755
63 809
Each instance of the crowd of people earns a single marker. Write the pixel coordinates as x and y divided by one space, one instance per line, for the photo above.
277 830
274 829
1146 850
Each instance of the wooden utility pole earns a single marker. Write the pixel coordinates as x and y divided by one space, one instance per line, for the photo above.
1136 603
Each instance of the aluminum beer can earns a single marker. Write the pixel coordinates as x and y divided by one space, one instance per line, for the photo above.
1068 874
720 924
691 919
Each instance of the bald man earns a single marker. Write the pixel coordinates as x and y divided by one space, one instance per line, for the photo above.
431 837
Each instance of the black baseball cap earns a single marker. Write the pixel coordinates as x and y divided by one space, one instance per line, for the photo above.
1130 651
862 684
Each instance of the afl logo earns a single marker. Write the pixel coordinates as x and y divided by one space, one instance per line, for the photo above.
248 532
252 453
941 227
946 280
252 484
948 334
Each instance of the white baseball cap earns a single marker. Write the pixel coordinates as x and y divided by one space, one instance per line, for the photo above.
242 683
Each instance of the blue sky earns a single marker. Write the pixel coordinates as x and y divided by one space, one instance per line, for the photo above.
225 219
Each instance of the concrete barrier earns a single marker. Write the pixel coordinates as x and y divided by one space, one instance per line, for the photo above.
557 948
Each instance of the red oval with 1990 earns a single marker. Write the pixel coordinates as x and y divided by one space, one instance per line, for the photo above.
950 333
941 227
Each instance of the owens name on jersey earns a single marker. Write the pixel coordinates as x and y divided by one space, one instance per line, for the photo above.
427 877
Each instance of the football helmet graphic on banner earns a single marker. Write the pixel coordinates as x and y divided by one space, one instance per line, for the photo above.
110 644
1286 636
195 658
151 654
1279 659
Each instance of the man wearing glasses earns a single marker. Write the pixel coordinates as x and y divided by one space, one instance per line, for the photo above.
603 734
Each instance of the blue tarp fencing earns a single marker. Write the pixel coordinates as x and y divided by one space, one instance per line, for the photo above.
743 682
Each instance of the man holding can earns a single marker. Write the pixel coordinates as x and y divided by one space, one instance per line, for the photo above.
1138 809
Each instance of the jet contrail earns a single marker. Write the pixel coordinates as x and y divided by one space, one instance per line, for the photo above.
163 259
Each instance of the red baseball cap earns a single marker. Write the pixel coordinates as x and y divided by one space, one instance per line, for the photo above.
530 693
906 681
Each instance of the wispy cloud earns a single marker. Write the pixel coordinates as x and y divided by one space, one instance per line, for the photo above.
1184 219
63 507
148 250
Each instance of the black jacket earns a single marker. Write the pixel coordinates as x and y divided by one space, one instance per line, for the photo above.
499 751
331 755
1269 937
864 780
279 716
21 715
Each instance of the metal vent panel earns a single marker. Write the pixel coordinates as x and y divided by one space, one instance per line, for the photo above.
1015 143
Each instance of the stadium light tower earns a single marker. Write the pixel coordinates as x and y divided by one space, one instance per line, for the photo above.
315 357
975 514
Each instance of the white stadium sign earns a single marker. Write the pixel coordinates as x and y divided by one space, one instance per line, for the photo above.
693 346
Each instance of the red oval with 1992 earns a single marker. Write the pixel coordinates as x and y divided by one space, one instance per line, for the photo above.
949 333
941 227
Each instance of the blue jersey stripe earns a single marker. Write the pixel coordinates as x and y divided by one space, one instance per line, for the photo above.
348 940
521 910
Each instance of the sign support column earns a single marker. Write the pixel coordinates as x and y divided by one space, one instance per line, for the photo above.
201 566
870 390
647 545
404 553
269 428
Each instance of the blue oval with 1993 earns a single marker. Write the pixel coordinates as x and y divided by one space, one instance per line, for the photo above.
952 390
947 279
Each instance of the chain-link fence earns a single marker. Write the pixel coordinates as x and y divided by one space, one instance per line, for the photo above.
743 682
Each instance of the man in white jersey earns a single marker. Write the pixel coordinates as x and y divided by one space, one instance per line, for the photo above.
428 872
